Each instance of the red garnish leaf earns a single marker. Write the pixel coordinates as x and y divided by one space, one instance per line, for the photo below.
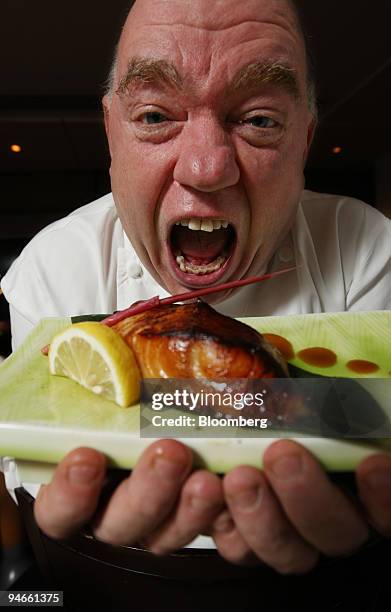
189 295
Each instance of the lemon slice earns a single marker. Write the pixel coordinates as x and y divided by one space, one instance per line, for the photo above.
98 358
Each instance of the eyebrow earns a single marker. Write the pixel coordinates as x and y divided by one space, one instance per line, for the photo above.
159 72
261 73
150 71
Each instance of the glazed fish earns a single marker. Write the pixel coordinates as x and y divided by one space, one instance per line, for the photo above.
195 341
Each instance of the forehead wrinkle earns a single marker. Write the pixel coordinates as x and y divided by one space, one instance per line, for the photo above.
238 26
213 27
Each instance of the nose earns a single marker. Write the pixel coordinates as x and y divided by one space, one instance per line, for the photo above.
206 159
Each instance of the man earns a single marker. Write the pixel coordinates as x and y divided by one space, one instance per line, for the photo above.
209 118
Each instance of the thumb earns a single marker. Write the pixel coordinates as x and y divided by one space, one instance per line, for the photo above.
71 498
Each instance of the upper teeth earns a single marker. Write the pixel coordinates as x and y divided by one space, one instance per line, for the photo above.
205 225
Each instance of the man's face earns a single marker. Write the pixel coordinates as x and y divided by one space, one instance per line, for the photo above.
209 129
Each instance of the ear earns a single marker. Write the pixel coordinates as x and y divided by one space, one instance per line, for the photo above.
106 113
310 137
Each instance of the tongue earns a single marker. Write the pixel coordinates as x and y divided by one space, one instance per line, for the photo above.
200 247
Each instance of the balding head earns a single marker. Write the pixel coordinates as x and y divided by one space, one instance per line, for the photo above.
139 7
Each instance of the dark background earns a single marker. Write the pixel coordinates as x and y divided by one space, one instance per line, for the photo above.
55 57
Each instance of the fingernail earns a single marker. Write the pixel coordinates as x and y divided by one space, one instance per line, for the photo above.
224 524
168 469
201 503
379 480
248 499
287 466
82 474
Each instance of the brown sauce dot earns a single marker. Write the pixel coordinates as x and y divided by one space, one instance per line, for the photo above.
360 366
318 357
282 344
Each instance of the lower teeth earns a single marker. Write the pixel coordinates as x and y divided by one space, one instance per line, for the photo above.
202 269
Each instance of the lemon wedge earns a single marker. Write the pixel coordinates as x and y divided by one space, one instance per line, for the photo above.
98 358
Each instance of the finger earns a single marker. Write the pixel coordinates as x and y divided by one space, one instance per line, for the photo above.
70 499
374 484
317 508
144 499
229 541
262 523
200 502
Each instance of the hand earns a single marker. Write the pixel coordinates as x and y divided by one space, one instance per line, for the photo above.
160 503
289 513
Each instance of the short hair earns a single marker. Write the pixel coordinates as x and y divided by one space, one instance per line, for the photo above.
310 62
110 81
312 95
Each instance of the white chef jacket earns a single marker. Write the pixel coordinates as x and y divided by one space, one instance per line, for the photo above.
85 264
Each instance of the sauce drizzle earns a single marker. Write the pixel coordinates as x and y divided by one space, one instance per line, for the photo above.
318 356
361 366
282 344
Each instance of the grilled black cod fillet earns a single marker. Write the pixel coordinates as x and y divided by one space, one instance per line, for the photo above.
195 341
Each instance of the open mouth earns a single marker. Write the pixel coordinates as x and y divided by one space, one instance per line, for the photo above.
202 247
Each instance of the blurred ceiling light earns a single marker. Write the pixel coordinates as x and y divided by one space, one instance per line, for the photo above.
15 148
337 150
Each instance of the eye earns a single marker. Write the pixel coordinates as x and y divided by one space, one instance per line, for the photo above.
152 118
260 121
